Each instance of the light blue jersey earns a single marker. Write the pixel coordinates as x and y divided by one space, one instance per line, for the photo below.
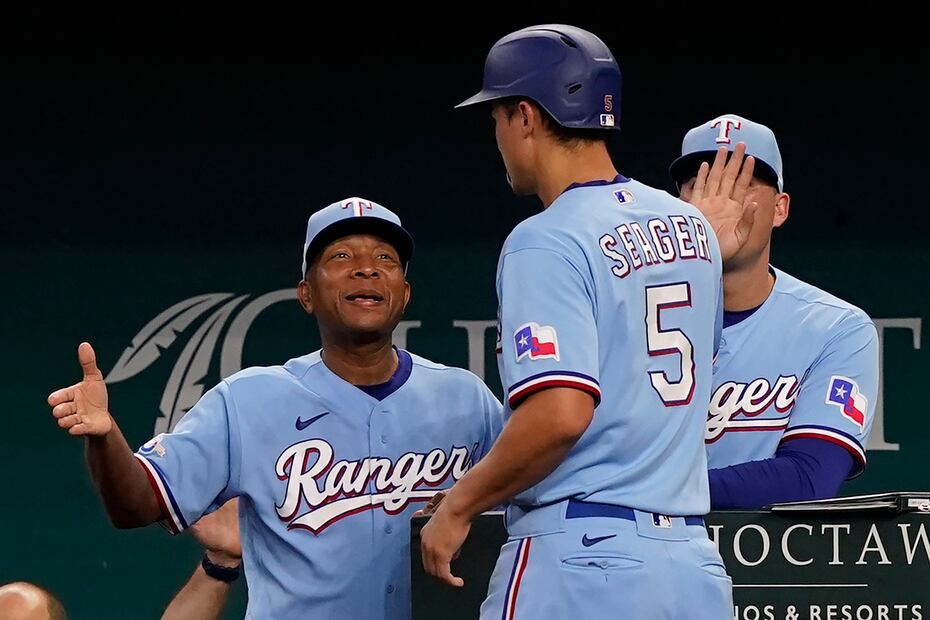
615 289
805 364
328 477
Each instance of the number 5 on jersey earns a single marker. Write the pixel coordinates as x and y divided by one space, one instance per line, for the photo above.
669 341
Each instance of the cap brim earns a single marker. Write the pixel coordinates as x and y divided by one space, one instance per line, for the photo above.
687 166
396 235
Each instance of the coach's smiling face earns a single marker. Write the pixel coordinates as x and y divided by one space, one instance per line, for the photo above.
356 288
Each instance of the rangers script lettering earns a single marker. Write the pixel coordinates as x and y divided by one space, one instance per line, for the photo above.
395 483
737 406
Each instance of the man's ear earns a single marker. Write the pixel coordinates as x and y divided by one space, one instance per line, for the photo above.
782 208
528 116
303 296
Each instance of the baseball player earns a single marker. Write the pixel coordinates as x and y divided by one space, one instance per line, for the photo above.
328 454
608 303
205 594
796 377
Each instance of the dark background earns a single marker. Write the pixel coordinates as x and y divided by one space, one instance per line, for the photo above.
239 139
140 169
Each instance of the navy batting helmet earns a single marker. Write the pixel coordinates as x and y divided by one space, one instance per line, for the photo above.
567 71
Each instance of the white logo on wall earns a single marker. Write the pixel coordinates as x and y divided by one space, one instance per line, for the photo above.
186 384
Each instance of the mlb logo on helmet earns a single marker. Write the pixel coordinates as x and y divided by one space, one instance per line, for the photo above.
535 342
844 393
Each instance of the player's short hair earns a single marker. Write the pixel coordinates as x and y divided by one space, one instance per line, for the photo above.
566 136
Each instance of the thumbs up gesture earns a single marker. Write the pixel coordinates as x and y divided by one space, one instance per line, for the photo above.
82 408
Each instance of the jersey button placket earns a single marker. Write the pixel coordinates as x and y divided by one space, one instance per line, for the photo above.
384 438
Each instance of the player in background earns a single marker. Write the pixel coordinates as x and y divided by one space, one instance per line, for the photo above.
608 301
205 594
328 454
796 376
25 601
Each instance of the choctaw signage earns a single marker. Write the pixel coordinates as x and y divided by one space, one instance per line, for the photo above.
823 565
841 566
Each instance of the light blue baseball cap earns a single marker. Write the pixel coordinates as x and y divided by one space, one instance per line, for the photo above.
701 144
355 216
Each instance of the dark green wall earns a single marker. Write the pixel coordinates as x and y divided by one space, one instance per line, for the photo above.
133 181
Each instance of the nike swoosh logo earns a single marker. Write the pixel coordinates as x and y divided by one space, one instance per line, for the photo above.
587 542
302 424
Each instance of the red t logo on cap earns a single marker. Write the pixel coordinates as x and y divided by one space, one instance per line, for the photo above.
725 124
357 207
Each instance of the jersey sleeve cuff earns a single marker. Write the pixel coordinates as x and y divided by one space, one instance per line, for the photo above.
173 519
834 436
519 391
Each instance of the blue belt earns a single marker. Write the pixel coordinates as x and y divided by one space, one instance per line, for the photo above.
579 510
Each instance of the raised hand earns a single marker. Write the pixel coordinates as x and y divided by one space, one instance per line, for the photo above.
82 408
